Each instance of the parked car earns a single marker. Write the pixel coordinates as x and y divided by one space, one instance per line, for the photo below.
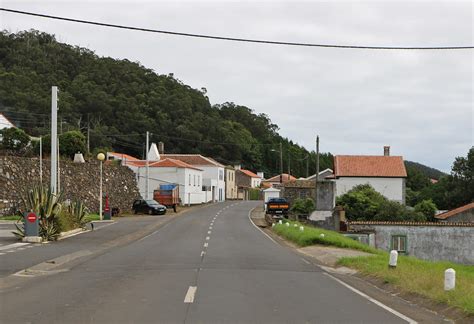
150 207
278 207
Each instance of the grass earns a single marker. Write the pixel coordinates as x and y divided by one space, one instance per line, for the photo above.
92 217
424 278
11 217
313 235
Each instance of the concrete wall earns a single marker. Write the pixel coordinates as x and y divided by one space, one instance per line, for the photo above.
78 181
392 188
230 187
428 242
326 198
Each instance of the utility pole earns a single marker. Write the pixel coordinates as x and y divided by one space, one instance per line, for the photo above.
41 160
281 163
307 166
59 169
317 169
88 136
54 138
147 166
289 169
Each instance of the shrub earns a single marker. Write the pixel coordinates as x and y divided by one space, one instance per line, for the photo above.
14 138
303 206
427 208
361 202
69 143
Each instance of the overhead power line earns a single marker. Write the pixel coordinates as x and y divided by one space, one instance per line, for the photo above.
234 39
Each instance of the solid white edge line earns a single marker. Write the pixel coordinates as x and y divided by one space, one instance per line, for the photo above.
305 261
376 302
189 298
260 228
207 238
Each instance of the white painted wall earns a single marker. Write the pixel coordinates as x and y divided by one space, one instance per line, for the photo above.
256 182
188 193
392 188
215 176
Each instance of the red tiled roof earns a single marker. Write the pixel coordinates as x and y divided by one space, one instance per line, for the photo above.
123 156
369 166
285 178
249 173
165 163
455 211
193 159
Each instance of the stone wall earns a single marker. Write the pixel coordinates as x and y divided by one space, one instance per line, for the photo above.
77 181
428 241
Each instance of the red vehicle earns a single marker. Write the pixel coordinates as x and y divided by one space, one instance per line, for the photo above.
167 195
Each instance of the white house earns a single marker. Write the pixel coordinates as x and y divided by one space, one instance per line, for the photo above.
386 174
169 171
213 174
322 175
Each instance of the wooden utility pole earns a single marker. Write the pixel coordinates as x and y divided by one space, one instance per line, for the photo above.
281 163
317 171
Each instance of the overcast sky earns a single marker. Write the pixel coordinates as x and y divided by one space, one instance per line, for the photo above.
418 102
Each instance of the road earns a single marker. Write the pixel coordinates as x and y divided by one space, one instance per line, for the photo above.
209 265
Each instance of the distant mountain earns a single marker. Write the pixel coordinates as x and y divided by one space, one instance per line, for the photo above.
431 173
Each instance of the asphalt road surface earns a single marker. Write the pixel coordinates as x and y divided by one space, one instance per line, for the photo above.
210 265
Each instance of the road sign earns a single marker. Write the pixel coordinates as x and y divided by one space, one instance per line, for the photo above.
31 217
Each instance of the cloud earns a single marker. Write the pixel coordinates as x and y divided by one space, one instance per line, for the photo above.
419 102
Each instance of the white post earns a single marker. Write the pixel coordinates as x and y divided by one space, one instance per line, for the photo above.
54 136
59 170
147 182
41 161
100 192
392 263
449 279
287 224
301 228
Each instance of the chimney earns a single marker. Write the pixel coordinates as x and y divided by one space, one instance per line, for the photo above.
386 150
161 147
260 174
237 166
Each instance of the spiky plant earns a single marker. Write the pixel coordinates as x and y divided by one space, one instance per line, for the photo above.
47 207
78 211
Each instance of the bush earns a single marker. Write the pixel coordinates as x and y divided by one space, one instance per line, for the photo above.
303 206
14 139
69 143
427 208
361 202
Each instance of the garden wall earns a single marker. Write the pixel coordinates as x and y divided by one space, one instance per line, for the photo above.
78 181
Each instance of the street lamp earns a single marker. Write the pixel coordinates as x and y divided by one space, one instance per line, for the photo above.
101 158
281 161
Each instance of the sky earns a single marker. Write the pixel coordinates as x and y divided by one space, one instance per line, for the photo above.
418 102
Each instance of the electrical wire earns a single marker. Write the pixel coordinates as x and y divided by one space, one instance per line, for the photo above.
234 39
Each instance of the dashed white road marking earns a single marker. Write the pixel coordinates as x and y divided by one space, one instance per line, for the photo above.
208 232
207 238
206 244
2 253
189 298
210 227
202 253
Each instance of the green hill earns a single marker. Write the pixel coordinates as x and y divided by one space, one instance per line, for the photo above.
425 170
120 100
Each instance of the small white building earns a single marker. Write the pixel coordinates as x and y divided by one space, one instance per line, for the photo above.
386 174
270 193
168 171
213 174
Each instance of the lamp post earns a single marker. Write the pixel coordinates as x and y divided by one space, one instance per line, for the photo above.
101 158
281 161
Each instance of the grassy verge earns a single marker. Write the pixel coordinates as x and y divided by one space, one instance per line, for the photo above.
92 217
313 235
424 278
10 218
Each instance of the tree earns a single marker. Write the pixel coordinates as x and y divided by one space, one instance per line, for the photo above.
361 202
427 208
13 138
72 142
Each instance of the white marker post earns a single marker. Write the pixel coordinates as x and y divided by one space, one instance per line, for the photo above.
301 228
449 279
392 263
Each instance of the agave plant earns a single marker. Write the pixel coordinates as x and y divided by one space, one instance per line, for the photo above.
78 211
47 207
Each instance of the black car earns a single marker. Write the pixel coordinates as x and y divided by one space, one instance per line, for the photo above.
150 207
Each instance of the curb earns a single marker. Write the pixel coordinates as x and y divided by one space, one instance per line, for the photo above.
65 235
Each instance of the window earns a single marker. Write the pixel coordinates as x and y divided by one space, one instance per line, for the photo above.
199 180
189 179
399 243
194 180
